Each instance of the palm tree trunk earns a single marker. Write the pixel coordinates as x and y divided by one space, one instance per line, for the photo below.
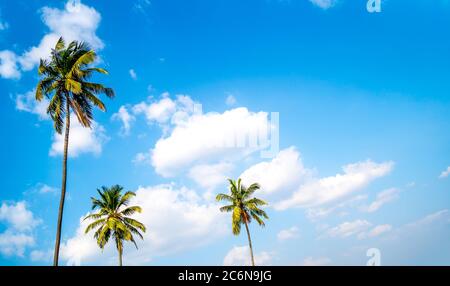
120 257
63 187
250 243
119 246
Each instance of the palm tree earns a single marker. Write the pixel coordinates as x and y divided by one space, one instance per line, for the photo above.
112 218
244 208
65 82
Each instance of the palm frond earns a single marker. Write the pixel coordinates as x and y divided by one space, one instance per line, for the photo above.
131 210
224 197
60 44
227 209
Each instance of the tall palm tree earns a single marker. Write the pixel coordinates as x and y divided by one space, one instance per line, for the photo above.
244 208
112 218
65 82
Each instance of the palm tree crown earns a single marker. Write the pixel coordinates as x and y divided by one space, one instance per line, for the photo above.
244 207
65 81
112 218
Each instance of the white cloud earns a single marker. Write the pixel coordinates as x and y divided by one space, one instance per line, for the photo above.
8 65
205 138
81 139
32 57
133 74
322 212
15 243
326 190
382 198
240 256
321 261
160 111
141 6
75 22
125 118
176 219
41 256
142 158
431 218
231 100
19 223
289 233
348 229
46 189
27 102
18 216
167 110
324 4
286 172
211 176
445 173
376 231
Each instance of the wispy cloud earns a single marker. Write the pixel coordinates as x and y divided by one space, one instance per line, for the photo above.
133 74
382 198
324 4
445 173
287 234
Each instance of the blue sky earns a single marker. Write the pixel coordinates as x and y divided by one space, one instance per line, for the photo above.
364 112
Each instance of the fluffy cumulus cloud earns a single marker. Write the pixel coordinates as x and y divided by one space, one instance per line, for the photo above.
330 189
286 173
211 176
167 110
324 4
8 65
27 102
193 140
19 223
75 21
18 216
203 138
382 198
176 219
240 256
126 118
15 244
195 144
81 139
289 233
